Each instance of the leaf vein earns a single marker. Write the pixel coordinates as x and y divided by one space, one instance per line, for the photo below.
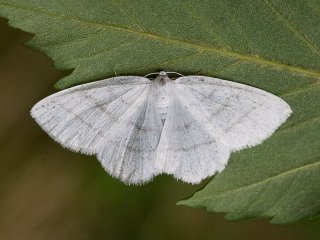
228 66
290 25
209 29
288 172
308 87
73 41
105 51
299 124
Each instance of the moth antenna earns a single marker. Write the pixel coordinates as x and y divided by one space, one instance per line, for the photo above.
151 74
176 73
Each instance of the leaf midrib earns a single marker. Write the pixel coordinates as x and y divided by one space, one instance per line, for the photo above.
202 48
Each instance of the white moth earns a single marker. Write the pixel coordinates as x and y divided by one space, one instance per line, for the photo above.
139 128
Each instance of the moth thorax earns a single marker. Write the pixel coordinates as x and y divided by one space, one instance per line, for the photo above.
162 97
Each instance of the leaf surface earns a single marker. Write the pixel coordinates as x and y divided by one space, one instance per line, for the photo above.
271 44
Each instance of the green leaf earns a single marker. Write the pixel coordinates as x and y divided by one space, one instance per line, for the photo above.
271 44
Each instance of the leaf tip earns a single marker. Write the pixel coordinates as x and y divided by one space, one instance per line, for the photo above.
58 85
181 203
187 203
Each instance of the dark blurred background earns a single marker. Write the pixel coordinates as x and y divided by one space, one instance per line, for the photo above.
47 192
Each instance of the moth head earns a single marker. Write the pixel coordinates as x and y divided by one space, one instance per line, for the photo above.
163 73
